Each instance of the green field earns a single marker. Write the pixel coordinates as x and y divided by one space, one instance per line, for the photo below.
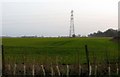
59 50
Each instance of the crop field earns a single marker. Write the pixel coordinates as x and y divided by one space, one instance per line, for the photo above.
60 56
59 50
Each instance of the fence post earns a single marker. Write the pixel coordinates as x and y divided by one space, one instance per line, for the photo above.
14 71
33 70
52 71
90 71
67 71
24 67
87 57
109 70
43 70
3 61
57 67
117 69
80 70
95 70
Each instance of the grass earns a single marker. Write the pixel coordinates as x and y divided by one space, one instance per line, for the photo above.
58 50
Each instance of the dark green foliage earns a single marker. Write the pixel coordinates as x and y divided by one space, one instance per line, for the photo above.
107 33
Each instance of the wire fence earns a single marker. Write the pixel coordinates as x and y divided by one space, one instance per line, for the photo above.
82 66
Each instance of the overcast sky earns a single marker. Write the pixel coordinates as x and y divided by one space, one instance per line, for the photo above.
52 17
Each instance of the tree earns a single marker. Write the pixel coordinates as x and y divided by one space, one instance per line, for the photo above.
107 33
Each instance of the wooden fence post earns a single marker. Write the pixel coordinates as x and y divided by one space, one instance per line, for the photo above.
117 69
57 67
95 71
52 71
87 57
90 70
3 61
24 67
67 71
33 70
109 70
43 70
14 71
80 70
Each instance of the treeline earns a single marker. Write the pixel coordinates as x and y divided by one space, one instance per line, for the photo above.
107 33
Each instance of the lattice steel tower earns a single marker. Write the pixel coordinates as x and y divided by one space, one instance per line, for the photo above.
72 30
